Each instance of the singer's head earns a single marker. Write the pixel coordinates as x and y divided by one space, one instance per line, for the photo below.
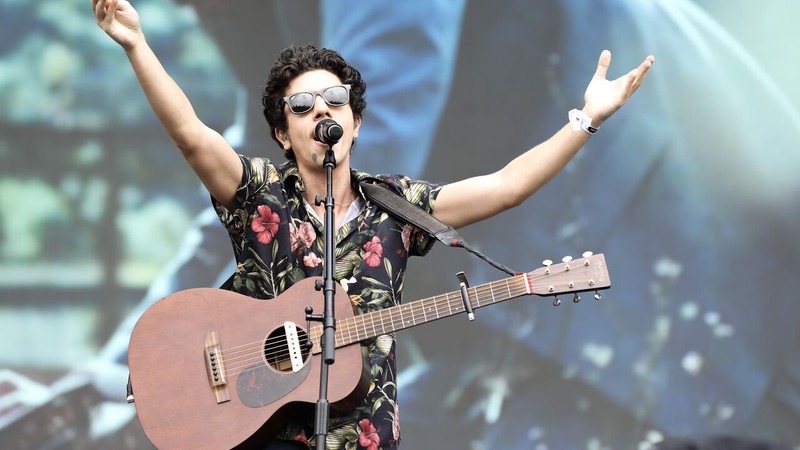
344 91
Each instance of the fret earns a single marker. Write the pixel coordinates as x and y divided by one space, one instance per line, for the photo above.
400 319
411 313
384 314
414 314
476 296
350 334
508 287
364 325
449 306
392 314
424 315
360 321
459 304
343 328
491 292
383 326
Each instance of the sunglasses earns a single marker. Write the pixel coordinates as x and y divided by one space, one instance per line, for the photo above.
302 102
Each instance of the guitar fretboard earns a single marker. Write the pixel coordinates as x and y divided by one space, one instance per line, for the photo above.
366 326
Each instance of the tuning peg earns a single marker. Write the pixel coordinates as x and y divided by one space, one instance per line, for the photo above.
576 298
566 259
556 301
597 296
587 254
547 263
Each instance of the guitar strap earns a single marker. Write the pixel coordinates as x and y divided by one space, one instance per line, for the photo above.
410 213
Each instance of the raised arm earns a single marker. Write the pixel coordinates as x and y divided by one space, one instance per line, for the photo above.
209 155
527 173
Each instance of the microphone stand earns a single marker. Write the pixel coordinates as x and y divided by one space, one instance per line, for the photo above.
327 318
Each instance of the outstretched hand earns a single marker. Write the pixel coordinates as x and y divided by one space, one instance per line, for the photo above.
119 20
604 97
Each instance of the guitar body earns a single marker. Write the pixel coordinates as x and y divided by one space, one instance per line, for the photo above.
172 373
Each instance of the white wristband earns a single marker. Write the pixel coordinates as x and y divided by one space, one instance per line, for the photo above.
581 121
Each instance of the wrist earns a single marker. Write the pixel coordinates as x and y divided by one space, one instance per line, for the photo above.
580 120
131 45
598 118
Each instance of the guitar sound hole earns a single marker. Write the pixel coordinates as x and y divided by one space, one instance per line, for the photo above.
276 349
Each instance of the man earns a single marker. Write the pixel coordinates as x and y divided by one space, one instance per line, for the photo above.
274 223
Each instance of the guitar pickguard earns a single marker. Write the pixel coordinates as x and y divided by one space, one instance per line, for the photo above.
261 385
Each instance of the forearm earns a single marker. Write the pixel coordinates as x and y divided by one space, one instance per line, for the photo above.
530 171
205 150
166 98
456 204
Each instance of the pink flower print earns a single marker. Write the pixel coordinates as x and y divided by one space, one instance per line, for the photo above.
368 438
373 252
307 234
406 235
311 260
265 224
293 238
396 423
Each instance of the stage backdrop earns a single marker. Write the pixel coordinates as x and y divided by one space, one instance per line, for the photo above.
690 192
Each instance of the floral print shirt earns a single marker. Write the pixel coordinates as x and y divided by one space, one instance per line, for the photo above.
277 243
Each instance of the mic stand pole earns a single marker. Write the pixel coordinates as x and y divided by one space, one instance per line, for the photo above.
328 318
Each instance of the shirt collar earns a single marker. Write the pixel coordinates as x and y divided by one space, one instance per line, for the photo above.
290 178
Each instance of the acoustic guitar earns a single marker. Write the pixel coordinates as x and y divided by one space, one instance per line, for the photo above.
212 369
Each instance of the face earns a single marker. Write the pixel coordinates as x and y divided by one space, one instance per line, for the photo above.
299 135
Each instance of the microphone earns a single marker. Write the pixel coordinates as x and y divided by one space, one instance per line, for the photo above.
328 132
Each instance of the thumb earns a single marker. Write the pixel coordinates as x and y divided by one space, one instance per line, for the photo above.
603 63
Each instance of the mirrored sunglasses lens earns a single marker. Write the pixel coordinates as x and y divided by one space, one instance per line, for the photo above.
336 95
302 102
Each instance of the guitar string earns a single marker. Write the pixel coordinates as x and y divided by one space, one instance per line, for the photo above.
349 326
346 327
358 322
279 340
249 354
257 358
352 324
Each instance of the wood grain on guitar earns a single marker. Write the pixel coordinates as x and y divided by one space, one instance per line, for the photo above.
215 369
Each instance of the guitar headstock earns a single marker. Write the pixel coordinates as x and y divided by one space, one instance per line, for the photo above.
588 273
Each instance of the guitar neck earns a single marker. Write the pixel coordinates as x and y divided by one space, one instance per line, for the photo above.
572 276
366 326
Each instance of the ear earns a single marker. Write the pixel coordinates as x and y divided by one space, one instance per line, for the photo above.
283 138
357 125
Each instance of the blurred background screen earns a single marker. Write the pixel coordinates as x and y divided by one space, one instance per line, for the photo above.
690 192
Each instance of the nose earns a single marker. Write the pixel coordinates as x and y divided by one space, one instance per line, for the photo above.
321 108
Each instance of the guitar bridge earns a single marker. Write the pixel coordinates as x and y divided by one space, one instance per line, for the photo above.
215 368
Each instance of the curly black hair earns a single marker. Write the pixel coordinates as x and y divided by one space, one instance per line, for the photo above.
295 61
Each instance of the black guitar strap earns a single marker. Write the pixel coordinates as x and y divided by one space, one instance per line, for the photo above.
410 213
